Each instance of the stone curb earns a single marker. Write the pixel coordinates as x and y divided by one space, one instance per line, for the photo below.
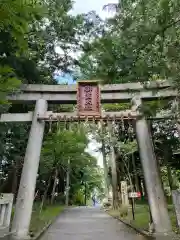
45 228
144 233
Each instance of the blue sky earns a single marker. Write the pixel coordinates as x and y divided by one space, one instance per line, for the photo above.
66 78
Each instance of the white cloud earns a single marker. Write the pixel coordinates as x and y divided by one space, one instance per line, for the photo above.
91 149
84 6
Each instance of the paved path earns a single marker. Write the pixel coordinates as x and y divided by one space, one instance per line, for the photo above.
88 224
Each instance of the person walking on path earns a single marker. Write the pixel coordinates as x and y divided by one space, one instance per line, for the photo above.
94 200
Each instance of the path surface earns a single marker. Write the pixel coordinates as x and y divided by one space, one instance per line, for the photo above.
88 224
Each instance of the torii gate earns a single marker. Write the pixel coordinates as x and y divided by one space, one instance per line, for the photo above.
41 95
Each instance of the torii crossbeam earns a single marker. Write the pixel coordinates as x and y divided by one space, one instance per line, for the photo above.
109 93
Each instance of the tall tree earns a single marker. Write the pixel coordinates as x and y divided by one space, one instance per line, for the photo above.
63 153
140 43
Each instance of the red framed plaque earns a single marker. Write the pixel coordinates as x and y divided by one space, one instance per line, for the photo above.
88 98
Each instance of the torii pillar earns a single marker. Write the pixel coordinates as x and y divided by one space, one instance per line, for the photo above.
154 188
25 198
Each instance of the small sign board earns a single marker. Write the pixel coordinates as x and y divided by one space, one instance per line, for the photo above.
134 195
88 99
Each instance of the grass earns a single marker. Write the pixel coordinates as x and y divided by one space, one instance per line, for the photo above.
142 216
39 221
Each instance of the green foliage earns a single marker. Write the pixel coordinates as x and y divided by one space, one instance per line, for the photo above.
128 148
78 198
32 34
8 84
123 211
15 20
39 221
140 43
115 107
66 146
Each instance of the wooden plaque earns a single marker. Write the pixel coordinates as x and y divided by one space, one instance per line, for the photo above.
88 98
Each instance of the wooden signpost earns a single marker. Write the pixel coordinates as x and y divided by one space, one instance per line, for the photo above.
133 196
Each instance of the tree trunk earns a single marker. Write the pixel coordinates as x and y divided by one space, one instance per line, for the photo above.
54 186
67 183
135 174
105 169
45 194
15 180
85 194
114 179
114 169
129 175
178 127
16 175
119 184
167 157
140 186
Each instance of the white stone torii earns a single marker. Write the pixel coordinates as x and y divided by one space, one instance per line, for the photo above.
41 94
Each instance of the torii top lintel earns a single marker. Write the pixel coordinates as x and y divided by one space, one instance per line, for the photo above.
110 93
